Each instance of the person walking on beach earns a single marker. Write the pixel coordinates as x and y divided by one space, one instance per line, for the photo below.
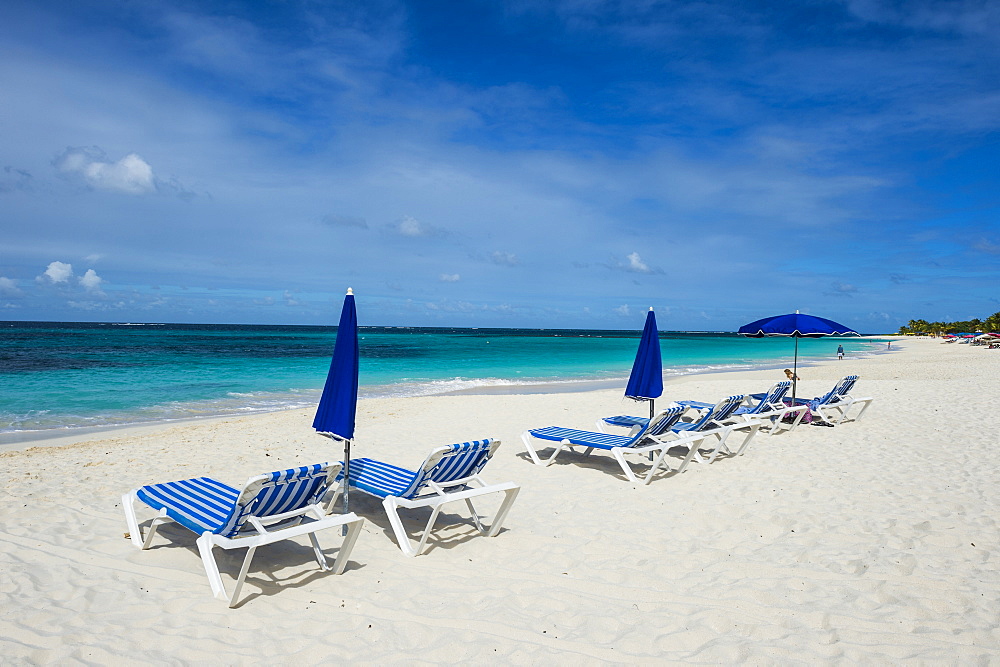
840 352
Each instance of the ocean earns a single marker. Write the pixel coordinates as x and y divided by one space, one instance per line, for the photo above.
65 375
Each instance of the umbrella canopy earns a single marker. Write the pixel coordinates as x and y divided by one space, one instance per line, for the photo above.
646 380
797 326
339 402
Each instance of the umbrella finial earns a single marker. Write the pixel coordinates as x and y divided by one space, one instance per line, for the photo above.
651 308
350 291
796 311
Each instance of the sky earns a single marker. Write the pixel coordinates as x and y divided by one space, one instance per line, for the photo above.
490 163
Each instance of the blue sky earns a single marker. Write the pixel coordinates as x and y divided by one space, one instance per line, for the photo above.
481 163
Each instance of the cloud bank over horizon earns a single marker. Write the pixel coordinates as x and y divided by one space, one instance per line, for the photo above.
550 164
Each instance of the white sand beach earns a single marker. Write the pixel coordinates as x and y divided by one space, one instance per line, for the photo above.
872 542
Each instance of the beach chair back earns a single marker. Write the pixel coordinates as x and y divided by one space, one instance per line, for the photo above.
721 411
772 400
279 492
839 389
658 425
846 385
452 462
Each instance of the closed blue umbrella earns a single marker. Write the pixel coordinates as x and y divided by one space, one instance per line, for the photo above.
338 404
646 381
797 326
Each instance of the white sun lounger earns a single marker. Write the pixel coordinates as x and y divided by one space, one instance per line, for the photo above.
654 437
449 474
269 508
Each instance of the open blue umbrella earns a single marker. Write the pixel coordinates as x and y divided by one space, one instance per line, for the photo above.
797 326
339 403
646 381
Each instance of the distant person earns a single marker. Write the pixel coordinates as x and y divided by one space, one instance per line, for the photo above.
888 345
790 375
840 352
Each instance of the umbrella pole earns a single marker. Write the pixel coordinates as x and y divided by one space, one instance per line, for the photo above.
651 402
795 369
347 481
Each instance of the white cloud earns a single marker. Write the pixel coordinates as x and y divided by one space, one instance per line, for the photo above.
131 174
8 287
95 257
57 272
91 281
450 277
623 310
504 258
635 263
409 226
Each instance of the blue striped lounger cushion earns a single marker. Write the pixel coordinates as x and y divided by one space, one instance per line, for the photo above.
201 504
582 438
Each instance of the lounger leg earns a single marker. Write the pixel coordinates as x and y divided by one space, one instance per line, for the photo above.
754 427
799 411
427 529
475 516
134 532
353 531
211 567
153 525
723 436
692 451
619 454
318 552
508 499
243 575
392 504
391 511
655 465
827 412
128 506
526 438
697 453
778 422
720 447
866 402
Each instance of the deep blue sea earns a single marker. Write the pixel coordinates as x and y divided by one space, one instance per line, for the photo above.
69 375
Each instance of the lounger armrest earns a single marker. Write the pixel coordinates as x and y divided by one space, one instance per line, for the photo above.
665 440
327 521
425 501
440 487
315 510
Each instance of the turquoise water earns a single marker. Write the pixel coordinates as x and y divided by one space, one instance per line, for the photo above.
59 375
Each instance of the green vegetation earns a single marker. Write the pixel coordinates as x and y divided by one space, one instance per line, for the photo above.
991 323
